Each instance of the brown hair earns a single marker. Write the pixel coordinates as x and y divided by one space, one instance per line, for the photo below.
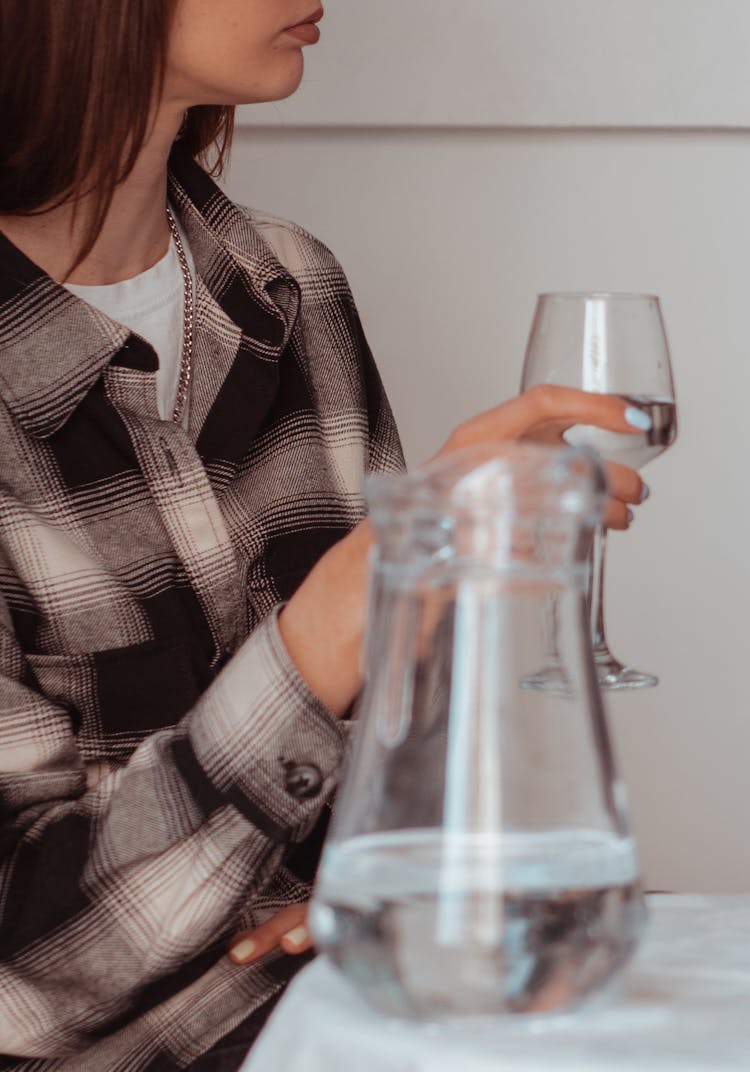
77 82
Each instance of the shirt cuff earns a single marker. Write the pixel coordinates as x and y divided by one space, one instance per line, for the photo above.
261 740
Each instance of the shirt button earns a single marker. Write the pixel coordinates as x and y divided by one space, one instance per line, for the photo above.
303 780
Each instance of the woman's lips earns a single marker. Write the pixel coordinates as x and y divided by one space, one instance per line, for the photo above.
306 30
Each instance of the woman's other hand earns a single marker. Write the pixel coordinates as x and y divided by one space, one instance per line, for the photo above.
287 930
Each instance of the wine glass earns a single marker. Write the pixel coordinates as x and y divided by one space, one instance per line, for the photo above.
613 344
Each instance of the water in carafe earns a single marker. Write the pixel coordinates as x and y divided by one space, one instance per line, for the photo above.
480 860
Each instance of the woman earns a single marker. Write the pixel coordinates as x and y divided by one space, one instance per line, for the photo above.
187 411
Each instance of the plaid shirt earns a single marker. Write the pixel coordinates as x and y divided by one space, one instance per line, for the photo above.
161 759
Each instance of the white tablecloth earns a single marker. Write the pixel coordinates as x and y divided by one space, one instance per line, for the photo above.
684 1006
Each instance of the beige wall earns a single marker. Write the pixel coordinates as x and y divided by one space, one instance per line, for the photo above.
448 231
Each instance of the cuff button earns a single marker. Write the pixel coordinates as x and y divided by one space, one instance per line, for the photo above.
303 781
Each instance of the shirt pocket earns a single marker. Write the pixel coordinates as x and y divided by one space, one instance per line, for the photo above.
118 697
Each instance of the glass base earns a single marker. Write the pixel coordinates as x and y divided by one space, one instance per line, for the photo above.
610 673
613 675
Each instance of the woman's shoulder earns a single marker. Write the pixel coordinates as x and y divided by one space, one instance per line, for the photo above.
300 252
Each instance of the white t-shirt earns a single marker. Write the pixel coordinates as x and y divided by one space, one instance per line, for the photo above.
152 305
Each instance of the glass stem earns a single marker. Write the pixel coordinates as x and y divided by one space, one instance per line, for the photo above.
596 591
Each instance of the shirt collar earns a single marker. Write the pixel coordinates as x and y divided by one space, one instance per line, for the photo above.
236 264
54 347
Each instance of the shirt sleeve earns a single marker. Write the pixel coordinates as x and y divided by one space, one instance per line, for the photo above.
385 454
105 889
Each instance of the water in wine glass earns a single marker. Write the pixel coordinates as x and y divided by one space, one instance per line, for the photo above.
630 449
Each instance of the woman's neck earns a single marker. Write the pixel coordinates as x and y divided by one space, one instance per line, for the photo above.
135 234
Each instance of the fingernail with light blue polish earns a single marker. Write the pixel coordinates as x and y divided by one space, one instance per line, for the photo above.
645 492
631 517
636 418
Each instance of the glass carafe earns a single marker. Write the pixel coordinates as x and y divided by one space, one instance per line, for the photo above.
480 860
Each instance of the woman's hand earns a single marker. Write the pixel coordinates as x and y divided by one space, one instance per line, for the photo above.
322 625
286 930
542 415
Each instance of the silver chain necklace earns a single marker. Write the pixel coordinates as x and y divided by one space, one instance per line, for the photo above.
186 360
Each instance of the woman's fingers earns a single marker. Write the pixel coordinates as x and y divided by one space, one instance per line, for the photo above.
617 515
626 489
566 406
298 940
286 930
625 484
546 411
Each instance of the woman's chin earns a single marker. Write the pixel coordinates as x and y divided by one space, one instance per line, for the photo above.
273 85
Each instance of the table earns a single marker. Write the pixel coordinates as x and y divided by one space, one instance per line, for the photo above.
684 1006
